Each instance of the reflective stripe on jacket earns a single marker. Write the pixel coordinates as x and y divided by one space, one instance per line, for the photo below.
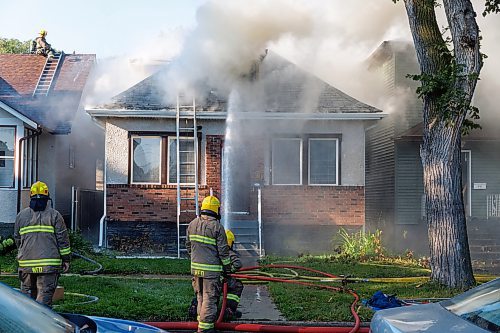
42 240
207 245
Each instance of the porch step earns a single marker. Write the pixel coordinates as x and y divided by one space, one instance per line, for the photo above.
485 255
483 248
247 248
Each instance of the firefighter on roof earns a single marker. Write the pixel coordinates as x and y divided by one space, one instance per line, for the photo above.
43 243
207 245
41 45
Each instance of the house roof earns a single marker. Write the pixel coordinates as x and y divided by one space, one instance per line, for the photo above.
386 51
19 74
286 89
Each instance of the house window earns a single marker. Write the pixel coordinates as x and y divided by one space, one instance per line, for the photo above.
146 159
287 161
323 159
30 159
187 162
7 153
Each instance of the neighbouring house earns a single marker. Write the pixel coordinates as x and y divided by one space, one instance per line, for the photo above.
394 175
44 132
285 135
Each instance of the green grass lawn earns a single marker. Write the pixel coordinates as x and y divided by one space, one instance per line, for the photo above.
168 299
304 303
112 265
134 299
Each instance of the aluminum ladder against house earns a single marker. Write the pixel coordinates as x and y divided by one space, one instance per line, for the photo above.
189 168
47 76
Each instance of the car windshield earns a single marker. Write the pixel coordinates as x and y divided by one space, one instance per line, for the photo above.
20 314
480 305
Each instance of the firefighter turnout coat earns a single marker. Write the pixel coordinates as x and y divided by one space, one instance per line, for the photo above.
207 245
42 240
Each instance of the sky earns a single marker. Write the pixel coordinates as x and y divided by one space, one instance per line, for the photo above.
102 27
330 38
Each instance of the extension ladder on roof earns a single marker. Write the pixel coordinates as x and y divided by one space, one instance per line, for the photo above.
186 169
47 76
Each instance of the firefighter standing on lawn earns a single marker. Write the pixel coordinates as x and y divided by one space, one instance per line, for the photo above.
207 245
43 242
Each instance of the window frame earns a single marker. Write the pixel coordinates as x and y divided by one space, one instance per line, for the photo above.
131 156
13 158
337 164
30 159
301 160
167 162
164 154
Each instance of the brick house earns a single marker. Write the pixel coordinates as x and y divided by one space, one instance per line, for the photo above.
300 145
44 133
394 174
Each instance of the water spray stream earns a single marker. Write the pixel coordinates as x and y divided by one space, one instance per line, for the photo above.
228 154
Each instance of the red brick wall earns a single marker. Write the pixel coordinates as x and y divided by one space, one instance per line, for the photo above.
157 203
214 162
314 205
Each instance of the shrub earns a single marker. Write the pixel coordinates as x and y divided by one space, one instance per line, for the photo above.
361 245
80 244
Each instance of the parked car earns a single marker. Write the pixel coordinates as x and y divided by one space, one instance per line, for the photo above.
475 311
21 314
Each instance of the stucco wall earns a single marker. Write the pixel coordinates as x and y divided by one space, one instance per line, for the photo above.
117 142
351 151
351 134
8 196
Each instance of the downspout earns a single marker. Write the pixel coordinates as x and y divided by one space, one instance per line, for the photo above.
20 164
104 182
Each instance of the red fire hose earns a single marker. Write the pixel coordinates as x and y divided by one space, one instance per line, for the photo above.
273 328
224 302
193 326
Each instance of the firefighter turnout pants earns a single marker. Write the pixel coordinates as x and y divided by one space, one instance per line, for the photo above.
40 287
208 292
234 290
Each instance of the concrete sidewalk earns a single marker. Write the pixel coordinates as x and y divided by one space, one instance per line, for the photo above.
256 304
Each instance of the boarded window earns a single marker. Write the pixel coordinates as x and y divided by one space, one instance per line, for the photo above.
287 161
323 161
7 153
146 159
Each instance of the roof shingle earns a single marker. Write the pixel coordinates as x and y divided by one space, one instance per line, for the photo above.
19 75
285 88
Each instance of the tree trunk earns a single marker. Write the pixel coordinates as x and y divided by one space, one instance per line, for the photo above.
441 147
445 213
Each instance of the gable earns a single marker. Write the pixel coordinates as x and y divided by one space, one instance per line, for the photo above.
285 87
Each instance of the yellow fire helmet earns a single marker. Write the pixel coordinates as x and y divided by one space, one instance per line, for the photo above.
39 188
211 203
230 237
43 32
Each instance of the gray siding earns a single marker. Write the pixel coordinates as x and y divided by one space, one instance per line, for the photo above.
485 168
379 181
409 183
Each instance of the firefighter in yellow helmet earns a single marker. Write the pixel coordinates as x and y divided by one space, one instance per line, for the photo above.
43 246
234 286
207 246
41 45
